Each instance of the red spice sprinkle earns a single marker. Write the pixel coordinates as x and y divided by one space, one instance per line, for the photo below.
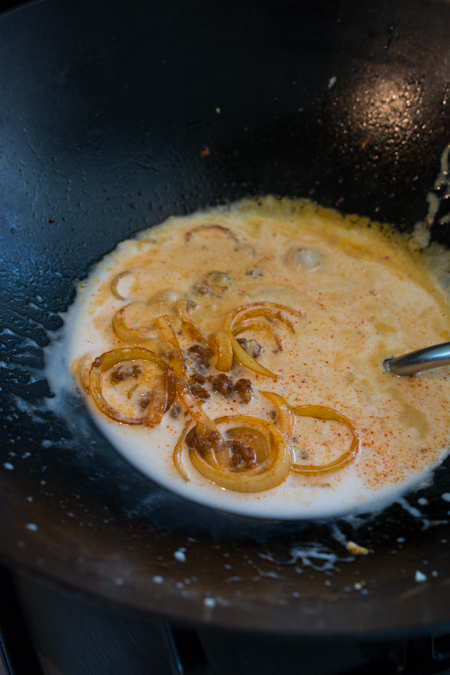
205 152
51 220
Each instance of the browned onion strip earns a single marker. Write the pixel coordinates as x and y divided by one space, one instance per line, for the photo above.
142 333
115 282
161 399
320 412
221 345
187 324
219 228
261 327
285 422
205 426
285 416
270 473
270 310
178 453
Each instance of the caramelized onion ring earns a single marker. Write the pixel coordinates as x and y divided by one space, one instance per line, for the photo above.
258 326
285 416
161 397
115 283
241 314
141 333
221 345
320 412
270 473
82 368
220 228
271 310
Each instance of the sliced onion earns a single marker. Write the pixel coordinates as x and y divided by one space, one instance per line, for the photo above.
235 319
178 453
270 310
135 323
161 399
221 345
285 416
205 425
81 369
320 412
259 326
183 307
220 228
115 282
286 423
270 473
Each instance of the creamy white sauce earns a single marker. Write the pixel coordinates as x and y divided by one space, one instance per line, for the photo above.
364 297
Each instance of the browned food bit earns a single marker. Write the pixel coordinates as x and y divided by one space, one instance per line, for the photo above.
123 373
200 392
244 389
242 454
197 377
202 356
213 283
204 443
252 347
359 550
145 400
175 411
222 384
205 152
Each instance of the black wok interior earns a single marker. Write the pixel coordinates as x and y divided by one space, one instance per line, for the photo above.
104 109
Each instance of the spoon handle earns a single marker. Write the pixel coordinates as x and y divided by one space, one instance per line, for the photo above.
422 359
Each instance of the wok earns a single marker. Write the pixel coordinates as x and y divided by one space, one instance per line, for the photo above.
104 109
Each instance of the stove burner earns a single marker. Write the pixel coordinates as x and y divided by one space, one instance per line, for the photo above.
46 632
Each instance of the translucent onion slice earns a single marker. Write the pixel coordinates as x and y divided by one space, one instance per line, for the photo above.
205 426
258 326
178 453
270 473
115 282
161 397
285 416
220 228
135 323
183 307
320 412
270 310
221 345
81 370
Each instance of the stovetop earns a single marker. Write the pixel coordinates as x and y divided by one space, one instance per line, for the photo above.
47 632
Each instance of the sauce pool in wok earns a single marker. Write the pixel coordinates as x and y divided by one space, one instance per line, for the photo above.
358 294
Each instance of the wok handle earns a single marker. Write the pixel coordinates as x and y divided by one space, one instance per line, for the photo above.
422 359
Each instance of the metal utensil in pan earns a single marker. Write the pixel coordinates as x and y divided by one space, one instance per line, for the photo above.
104 111
421 359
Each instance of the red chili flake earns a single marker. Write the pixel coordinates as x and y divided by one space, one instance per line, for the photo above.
51 220
205 152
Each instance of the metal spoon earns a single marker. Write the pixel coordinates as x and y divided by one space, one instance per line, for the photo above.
422 359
